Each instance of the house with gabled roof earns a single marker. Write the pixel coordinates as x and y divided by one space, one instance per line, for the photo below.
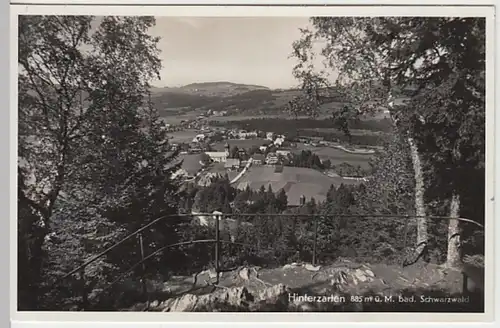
232 163
258 159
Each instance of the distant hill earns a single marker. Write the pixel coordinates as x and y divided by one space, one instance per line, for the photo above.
221 89
232 97
235 98
212 89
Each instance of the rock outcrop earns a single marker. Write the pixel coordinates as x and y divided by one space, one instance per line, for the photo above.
297 287
220 300
226 299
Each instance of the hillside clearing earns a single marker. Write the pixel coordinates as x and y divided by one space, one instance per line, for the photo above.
296 181
336 156
184 136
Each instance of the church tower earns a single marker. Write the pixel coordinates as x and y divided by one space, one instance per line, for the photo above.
226 149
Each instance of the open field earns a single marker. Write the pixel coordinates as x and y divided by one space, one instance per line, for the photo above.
296 181
336 156
176 119
235 118
174 116
184 136
282 116
354 132
190 163
192 115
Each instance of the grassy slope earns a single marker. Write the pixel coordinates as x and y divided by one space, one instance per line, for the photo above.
296 181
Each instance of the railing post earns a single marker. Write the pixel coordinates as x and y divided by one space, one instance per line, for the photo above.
315 239
465 287
84 289
143 278
217 244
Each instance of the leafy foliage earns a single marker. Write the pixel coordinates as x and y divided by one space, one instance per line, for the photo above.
306 158
437 64
92 151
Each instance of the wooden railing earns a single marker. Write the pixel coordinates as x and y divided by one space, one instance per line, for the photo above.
217 218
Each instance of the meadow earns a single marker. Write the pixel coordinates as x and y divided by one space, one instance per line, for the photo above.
235 118
296 181
354 132
336 156
184 136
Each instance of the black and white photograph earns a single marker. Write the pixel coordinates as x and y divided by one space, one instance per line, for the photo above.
252 163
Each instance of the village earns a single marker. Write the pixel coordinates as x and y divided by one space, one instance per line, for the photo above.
256 159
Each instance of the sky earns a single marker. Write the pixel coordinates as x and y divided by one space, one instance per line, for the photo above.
251 50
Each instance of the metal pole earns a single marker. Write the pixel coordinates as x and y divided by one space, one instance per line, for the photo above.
84 289
143 279
315 238
465 289
217 240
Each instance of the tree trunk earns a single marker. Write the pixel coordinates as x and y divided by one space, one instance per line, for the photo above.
422 237
453 255
30 259
421 220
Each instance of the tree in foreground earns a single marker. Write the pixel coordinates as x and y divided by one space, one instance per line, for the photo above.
438 65
93 157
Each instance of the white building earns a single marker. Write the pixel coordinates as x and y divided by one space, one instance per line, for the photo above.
284 153
272 159
199 137
219 156
245 134
279 141
269 136
232 163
